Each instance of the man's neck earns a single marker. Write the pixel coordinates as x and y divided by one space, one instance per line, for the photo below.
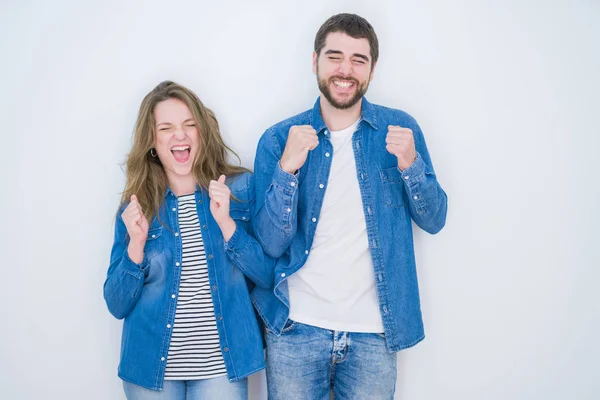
336 119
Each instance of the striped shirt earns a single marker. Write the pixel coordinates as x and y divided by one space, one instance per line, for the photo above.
194 352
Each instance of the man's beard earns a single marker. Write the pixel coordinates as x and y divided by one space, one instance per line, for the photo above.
341 105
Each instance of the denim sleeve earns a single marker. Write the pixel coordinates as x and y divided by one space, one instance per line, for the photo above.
276 216
428 201
125 279
244 251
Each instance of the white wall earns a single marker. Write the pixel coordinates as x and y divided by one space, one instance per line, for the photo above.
507 96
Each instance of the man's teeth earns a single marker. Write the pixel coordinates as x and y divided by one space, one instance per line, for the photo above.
180 148
341 84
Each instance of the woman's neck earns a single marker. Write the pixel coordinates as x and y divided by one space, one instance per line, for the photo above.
182 185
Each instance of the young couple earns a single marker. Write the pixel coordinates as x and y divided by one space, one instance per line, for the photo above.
318 242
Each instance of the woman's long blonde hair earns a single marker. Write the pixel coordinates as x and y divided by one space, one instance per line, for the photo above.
146 177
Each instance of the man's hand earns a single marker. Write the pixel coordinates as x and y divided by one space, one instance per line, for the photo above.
401 143
301 139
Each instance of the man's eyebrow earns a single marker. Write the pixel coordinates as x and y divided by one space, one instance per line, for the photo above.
353 55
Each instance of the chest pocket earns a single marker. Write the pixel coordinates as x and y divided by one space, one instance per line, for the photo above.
393 187
154 243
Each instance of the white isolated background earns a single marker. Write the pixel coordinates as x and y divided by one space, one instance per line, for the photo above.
505 92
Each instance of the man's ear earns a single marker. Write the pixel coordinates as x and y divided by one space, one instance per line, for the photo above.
372 75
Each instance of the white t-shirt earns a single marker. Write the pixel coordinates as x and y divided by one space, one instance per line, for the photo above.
335 289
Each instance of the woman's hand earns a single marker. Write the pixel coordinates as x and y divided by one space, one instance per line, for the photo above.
137 228
220 195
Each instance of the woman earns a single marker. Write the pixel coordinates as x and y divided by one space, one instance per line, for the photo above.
179 257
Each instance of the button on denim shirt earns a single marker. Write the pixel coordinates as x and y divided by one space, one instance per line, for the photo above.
288 210
146 294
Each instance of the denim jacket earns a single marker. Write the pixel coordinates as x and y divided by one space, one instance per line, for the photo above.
145 294
288 208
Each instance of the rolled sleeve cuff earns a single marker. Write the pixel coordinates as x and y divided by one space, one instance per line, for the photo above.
286 181
137 270
238 241
414 173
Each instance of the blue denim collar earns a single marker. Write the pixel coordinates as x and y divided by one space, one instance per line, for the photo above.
171 193
367 114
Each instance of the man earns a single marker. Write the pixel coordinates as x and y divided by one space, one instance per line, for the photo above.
336 190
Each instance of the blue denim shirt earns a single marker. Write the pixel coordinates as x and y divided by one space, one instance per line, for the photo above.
146 294
288 208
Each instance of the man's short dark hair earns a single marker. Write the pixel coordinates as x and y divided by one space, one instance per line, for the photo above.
352 25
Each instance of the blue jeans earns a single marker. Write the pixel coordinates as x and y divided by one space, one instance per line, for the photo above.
214 388
306 363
